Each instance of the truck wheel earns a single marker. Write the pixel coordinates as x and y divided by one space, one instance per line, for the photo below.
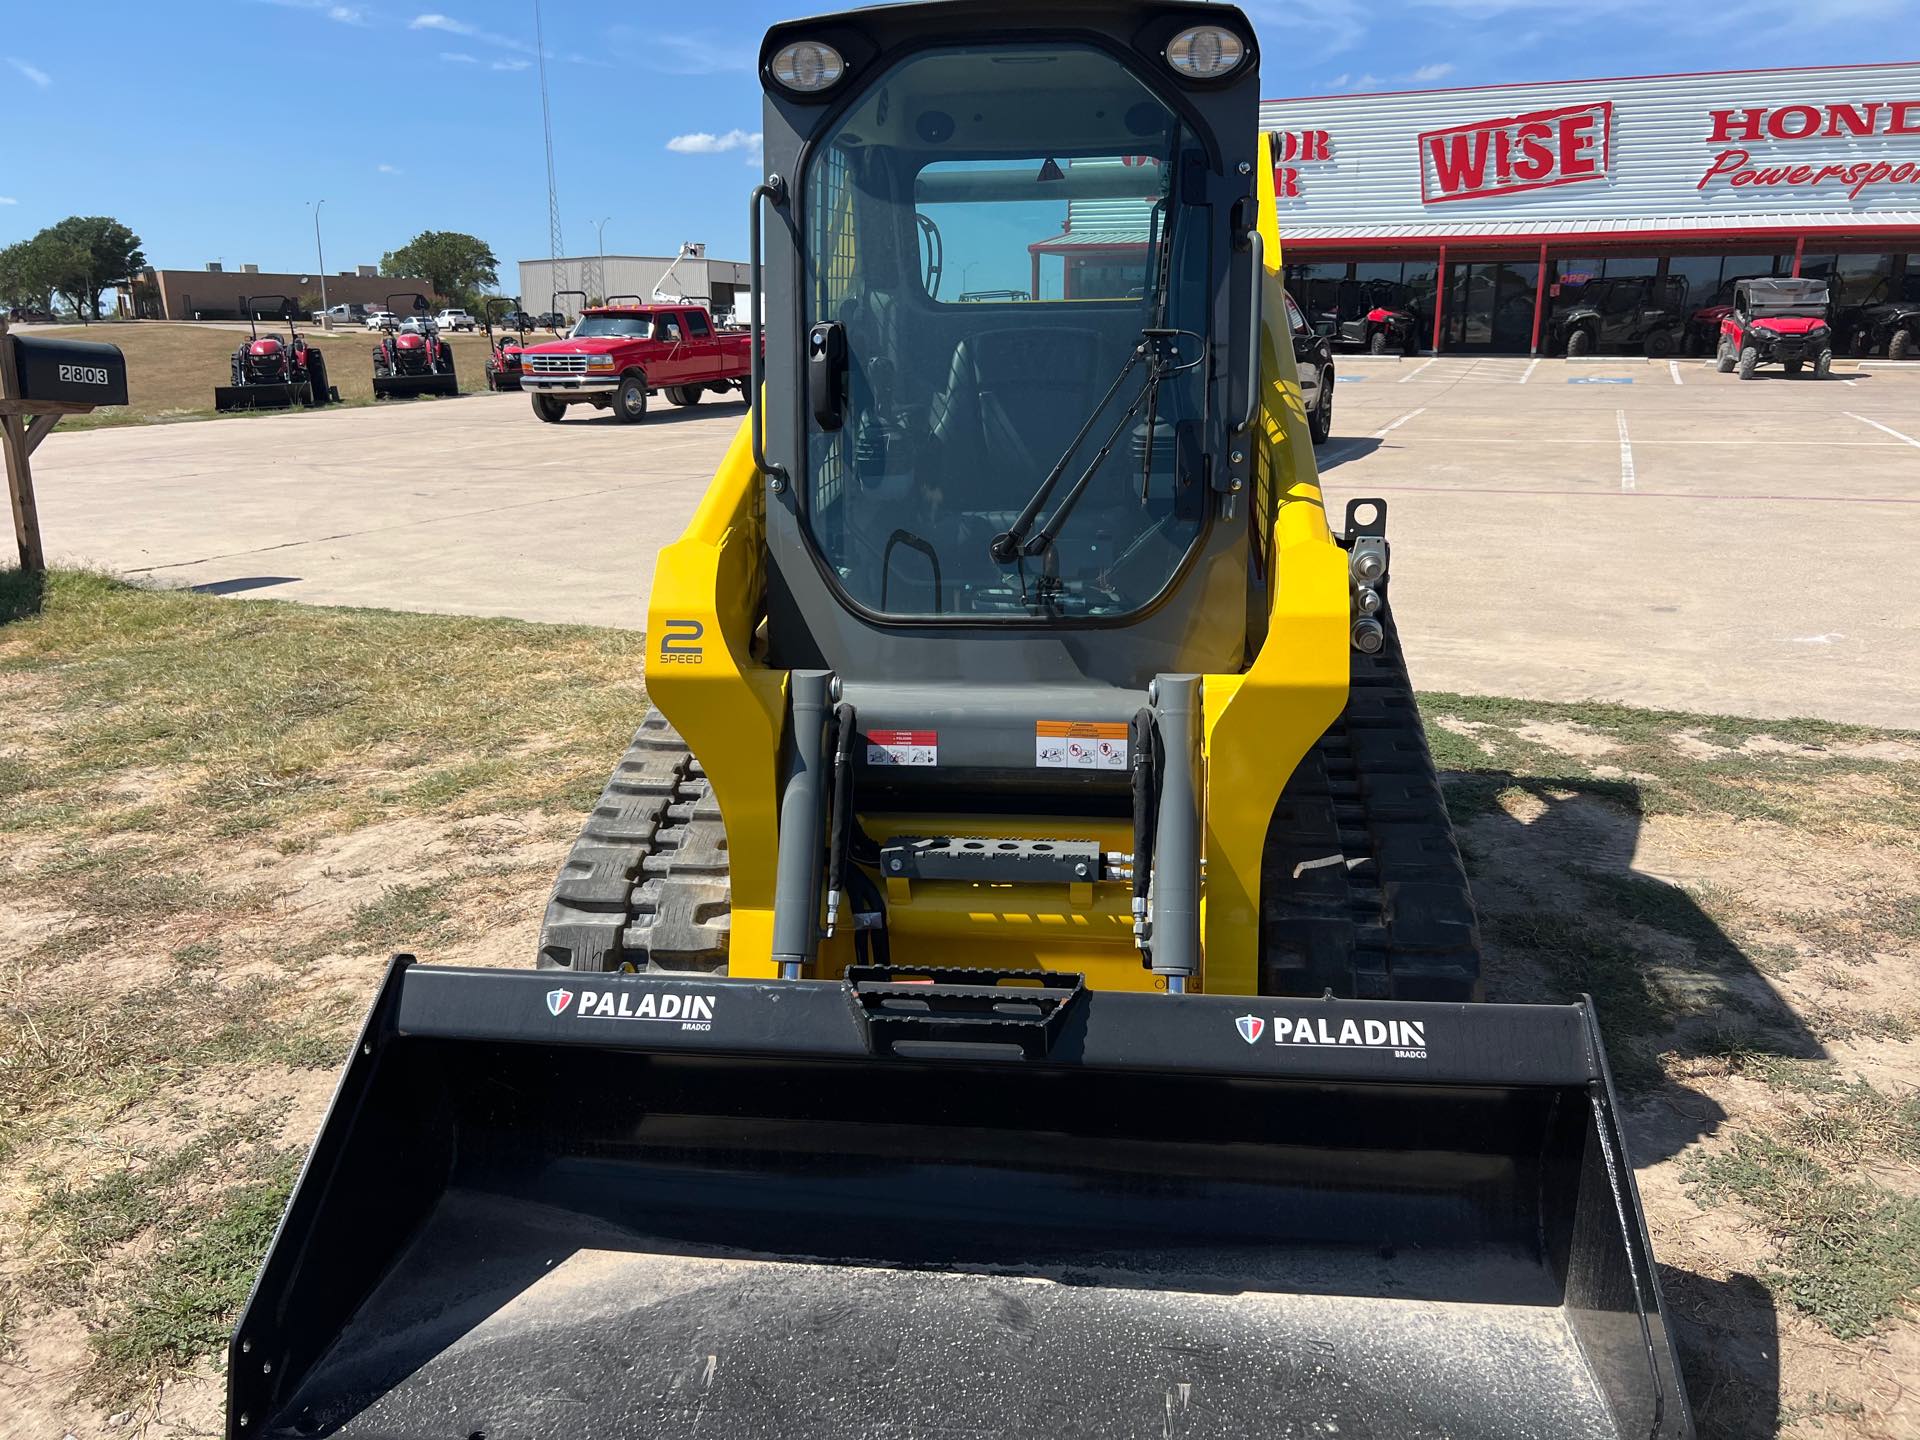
1792 367
1377 343
1723 358
1749 358
1580 342
630 400
1320 422
549 409
685 395
1823 365
1900 347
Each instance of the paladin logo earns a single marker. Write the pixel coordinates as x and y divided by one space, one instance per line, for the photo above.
558 1000
1403 1039
689 1012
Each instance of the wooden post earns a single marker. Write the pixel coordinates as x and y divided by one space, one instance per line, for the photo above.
14 441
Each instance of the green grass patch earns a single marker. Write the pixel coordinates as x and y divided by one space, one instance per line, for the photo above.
1796 787
268 712
1848 1250
182 1305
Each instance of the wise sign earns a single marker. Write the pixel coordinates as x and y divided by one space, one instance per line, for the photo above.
1570 145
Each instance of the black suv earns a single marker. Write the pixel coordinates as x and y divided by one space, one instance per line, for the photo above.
1887 321
1628 311
1313 357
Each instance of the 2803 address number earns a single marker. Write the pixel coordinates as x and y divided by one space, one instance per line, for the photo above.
84 375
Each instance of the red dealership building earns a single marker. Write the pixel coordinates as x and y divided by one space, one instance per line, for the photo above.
1490 206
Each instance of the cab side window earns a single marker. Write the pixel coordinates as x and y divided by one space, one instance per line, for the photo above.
697 325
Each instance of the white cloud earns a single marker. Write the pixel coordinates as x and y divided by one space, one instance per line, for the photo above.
339 14
386 169
1427 74
442 22
1341 81
458 57
32 72
704 142
8 200
510 64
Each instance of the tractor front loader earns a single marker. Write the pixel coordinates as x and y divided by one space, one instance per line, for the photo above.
1021 979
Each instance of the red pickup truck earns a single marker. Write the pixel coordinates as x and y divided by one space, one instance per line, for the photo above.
618 355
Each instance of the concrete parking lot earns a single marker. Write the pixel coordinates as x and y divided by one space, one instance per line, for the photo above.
1638 531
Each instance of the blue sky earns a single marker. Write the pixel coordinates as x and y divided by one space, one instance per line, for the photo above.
208 125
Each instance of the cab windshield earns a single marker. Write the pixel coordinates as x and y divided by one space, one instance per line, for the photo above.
996 232
597 327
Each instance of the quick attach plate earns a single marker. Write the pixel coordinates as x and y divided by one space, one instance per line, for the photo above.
983 859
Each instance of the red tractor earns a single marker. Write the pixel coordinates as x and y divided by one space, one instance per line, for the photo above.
412 358
1777 320
503 348
270 373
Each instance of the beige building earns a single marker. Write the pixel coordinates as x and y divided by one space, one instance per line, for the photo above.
216 294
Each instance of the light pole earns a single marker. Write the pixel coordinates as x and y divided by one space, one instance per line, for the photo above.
317 250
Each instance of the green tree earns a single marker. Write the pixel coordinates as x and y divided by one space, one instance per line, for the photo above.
87 253
26 275
456 265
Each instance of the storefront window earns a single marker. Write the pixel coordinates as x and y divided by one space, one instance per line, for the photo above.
1316 285
1855 277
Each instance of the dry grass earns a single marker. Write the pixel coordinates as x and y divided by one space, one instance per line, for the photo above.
172 369
217 817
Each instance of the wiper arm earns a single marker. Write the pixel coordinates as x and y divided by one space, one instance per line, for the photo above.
1010 543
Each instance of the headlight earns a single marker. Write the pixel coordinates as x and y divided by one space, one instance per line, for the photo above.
1205 52
600 362
808 66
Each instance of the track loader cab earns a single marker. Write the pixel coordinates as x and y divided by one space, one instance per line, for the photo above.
1017 981
1023 552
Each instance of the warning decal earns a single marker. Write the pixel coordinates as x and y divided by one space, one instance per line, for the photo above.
903 747
1080 745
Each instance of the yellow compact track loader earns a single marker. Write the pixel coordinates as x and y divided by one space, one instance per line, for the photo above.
1021 979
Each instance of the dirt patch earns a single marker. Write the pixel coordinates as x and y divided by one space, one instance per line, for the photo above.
1568 738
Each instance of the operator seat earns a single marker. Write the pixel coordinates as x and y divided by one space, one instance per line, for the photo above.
1013 400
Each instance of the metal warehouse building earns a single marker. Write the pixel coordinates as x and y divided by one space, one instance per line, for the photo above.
720 284
1484 209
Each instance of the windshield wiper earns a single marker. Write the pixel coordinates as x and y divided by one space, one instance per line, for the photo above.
1156 347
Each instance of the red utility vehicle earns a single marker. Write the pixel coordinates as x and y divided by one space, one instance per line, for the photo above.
269 373
623 351
412 358
1777 320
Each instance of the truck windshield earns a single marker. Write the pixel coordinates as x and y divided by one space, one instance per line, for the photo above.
995 231
596 327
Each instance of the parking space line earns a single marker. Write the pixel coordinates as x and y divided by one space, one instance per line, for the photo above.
1416 370
1392 425
1626 452
1528 372
1888 428
1674 365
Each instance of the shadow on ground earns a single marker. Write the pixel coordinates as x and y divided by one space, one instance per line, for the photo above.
22 593
1563 912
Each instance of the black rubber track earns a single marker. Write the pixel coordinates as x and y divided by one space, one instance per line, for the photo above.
1363 891
1362 888
645 885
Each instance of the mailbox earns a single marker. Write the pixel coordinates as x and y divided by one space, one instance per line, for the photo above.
71 372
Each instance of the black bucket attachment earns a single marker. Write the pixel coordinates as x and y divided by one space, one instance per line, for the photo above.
404 387
262 397
630 1206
